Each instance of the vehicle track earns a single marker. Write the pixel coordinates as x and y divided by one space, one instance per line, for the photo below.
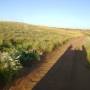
59 71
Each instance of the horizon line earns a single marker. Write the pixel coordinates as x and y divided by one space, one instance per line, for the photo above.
44 25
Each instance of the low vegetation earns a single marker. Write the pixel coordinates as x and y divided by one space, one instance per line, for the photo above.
87 45
21 44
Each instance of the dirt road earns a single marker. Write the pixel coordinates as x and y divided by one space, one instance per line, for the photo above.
71 72
65 69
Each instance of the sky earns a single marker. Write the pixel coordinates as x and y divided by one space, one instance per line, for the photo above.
54 13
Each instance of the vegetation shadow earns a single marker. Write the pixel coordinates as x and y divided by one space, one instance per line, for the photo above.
71 72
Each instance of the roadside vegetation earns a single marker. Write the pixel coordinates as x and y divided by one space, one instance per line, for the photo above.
87 44
21 44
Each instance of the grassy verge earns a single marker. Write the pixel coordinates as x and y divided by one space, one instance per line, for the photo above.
87 46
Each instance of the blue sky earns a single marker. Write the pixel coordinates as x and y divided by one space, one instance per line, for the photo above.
56 13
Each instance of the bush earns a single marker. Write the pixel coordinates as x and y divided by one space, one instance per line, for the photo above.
8 67
27 57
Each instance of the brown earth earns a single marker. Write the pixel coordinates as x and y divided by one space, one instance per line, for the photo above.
71 72
63 69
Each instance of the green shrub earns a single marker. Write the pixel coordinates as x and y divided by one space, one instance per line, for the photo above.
8 67
27 57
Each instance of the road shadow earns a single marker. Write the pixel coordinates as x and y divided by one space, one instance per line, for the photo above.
71 72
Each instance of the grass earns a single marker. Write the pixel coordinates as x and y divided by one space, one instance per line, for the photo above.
87 43
20 44
87 46
42 39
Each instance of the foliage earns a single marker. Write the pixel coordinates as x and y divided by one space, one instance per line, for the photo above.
27 58
87 46
8 67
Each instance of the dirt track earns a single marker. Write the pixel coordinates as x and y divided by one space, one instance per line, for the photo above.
65 69
71 72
